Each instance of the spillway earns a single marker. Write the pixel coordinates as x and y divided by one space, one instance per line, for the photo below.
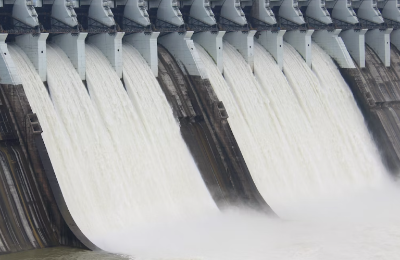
301 135
162 130
376 89
107 151
151 188
337 122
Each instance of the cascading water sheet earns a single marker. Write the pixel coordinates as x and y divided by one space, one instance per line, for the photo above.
110 160
163 131
96 156
290 140
158 180
336 120
348 230
246 104
58 144
346 116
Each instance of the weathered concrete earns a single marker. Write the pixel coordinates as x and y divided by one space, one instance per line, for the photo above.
377 91
182 48
207 133
25 174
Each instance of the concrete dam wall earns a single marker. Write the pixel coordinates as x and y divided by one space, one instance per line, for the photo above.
132 122
377 90
30 217
208 135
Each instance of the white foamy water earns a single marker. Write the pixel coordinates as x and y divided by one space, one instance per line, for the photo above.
57 141
360 225
293 139
108 155
159 179
96 157
177 170
253 122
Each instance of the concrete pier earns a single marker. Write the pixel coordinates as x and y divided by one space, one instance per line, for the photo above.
181 46
146 44
111 46
273 43
212 43
301 41
355 44
379 41
74 46
8 70
244 43
330 42
34 45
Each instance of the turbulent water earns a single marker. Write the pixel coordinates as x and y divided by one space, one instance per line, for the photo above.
301 134
156 181
113 157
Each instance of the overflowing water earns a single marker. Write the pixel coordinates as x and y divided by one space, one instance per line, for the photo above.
109 155
58 143
156 181
289 129
302 137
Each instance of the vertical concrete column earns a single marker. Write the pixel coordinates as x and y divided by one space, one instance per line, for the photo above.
355 44
330 42
34 45
212 43
146 44
273 43
301 41
111 46
379 41
8 70
182 48
74 46
244 42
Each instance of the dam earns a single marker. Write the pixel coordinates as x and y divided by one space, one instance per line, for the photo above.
197 129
